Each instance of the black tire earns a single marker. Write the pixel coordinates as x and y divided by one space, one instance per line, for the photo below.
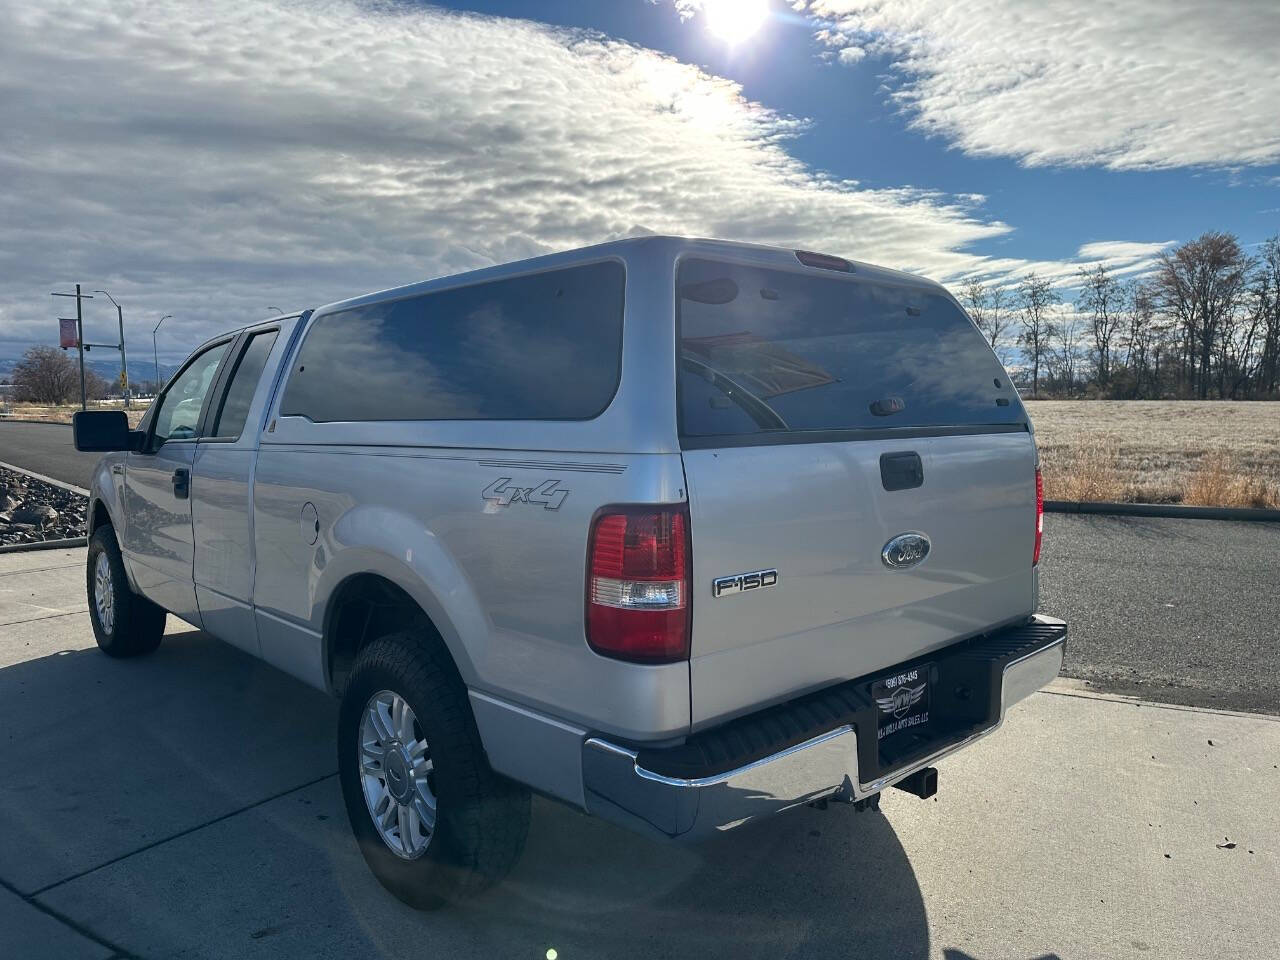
138 624
482 819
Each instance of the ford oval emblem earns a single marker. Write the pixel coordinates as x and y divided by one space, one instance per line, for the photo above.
905 550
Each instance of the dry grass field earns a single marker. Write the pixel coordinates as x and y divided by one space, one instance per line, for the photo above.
62 414
1209 453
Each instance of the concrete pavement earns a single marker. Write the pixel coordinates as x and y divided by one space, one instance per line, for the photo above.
185 806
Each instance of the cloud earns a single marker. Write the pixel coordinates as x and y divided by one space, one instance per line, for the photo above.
1123 258
211 161
1121 253
1132 84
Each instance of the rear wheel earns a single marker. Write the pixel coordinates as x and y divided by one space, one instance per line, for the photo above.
124 623
433 821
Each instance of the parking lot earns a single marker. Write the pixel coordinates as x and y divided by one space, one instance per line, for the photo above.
185 805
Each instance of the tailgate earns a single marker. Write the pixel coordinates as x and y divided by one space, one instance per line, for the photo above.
853 432
820 516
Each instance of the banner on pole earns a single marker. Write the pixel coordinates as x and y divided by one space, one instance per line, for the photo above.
67 333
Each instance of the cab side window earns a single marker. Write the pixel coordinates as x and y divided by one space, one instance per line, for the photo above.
244 384
545 346
178 416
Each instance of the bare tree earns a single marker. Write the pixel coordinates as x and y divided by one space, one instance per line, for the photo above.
1102 300
1266 305
974 298
96 386
1035 298
46 375
1139 338
989 309
1065 351
1201 284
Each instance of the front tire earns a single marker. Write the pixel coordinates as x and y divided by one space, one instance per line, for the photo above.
125 624
433 821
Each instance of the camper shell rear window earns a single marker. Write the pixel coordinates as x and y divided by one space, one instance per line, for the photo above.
770 355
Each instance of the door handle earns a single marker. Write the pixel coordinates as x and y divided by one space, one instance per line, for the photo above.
901 471
182 483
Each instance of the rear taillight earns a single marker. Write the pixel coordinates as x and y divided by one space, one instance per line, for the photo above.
638 584
1035 557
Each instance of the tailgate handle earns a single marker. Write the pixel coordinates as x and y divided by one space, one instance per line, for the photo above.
901 471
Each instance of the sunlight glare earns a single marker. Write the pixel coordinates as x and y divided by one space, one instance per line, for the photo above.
735 21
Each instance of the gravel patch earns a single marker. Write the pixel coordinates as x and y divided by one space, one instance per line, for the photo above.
32 510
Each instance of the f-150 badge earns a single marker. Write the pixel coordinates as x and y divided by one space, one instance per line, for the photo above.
549 494
741 582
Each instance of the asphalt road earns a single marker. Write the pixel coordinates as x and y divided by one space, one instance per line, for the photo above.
46 448
1179 611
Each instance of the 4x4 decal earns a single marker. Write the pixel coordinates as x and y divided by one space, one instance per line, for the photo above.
549 494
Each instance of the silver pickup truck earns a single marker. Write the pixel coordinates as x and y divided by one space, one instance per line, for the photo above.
681 533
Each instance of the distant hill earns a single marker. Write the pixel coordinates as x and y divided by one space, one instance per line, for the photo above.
140 366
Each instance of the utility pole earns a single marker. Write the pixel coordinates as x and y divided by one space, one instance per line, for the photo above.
124 363
84 399
155 352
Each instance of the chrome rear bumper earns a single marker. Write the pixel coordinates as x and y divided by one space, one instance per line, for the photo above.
619 788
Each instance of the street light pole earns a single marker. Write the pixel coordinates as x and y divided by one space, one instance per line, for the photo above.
80 344
124 362
155 352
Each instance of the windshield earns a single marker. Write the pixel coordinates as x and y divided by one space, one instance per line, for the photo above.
767 351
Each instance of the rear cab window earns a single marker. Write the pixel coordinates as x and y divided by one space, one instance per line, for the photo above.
769 355
546 346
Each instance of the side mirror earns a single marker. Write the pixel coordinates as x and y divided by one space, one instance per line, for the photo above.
103 431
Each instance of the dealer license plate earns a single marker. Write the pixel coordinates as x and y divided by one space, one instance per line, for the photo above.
902 700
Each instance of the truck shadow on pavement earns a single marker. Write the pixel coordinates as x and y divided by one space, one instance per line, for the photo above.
186 804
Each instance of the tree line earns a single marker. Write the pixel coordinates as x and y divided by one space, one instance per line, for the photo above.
49 375
46 375
1204 323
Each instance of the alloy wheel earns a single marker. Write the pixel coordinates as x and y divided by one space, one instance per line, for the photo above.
397 775
104 597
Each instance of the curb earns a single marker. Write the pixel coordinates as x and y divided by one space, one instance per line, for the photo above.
44 545
1169 510
1081 690
49 480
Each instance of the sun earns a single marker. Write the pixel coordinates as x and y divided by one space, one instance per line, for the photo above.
735 21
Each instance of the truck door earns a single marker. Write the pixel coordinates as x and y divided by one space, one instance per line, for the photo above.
158 542
221 508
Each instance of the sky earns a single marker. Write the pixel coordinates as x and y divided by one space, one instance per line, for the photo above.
216 161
